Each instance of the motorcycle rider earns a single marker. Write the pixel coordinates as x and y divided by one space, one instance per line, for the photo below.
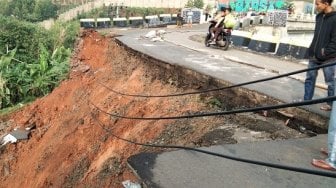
219 25
229 21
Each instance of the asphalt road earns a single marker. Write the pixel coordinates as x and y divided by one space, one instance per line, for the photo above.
234 66
190 169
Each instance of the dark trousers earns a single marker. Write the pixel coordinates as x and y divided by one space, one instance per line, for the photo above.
311 80
217 31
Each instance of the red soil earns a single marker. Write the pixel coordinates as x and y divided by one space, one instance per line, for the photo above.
68 147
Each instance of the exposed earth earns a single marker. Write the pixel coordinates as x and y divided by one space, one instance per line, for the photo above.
70 148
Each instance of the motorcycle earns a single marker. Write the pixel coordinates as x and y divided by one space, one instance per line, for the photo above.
223 40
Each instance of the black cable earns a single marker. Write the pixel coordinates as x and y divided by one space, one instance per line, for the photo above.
261 163
271 107
223 88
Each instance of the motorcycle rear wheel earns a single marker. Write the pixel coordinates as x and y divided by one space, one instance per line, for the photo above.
226 45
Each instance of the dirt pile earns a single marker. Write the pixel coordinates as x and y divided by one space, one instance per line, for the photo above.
69 147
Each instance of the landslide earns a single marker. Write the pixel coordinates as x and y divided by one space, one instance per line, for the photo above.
69 147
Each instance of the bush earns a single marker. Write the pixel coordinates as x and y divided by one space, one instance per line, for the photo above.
29 10
23 36
35 60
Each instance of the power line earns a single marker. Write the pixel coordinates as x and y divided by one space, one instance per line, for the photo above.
244 160
255 109
223 88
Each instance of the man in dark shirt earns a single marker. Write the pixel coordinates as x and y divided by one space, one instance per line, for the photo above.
322 50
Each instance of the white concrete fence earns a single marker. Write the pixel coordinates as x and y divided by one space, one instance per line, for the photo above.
72 13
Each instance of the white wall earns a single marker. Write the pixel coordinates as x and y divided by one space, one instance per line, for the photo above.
152 3
71 14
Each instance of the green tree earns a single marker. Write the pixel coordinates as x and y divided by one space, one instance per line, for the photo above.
45 9
32 60
190 4
5 7
64 34
195 3
23 36
199 4
23 9
208 8
29 10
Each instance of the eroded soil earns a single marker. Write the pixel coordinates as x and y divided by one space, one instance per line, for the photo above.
69 146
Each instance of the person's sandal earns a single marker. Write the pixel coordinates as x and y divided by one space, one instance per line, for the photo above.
322 164
325 107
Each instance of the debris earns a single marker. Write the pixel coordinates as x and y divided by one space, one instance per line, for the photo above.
129 184
156 39
285 114
31 127
155 35
151 34
287 122
6 169
160 32
265 113
82 68
20 134
8 139
302 129
14 136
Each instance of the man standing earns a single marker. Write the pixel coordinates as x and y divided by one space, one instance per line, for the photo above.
179 20
190 17
322 50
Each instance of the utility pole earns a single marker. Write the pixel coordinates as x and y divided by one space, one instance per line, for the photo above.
117 11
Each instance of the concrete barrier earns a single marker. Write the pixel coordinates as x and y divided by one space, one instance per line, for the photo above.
120 22
262 19
136 21
254 20
262 45
153 21
166 19
299 52
174 19
87 23
294 48
284 48
103 22
241 38
244 22
265 39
